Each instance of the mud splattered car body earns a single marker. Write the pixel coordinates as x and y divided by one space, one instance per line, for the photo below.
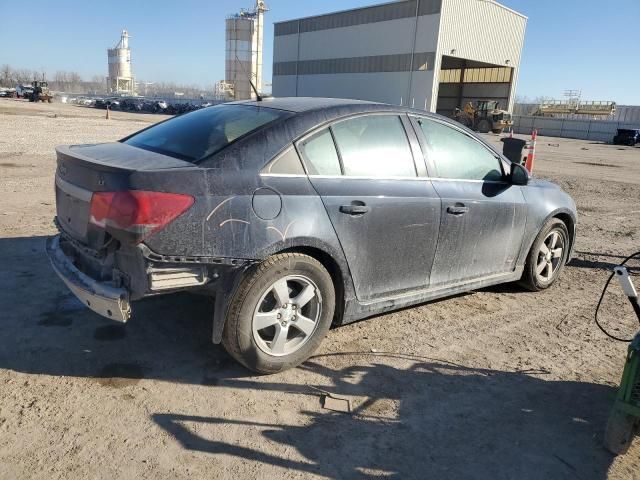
388 239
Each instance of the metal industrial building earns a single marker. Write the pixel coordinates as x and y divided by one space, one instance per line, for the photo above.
431 54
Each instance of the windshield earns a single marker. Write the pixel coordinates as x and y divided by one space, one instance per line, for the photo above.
202 133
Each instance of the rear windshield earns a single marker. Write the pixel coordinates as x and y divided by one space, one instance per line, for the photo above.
202 133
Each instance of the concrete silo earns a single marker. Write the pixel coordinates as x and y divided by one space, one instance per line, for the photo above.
244 38
120 80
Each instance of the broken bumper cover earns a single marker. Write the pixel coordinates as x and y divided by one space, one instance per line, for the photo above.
104 299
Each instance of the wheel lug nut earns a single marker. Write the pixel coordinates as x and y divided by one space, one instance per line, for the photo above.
279 316
293 318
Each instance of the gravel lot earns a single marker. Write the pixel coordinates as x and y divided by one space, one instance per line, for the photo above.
498 383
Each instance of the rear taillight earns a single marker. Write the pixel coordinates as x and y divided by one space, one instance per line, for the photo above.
133 215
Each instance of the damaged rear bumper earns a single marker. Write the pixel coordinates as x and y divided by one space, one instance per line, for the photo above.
104 299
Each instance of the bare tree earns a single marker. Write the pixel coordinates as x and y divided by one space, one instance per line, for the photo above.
24 75
72 82
6 76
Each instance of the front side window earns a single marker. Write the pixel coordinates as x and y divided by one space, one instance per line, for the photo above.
197 135
374 146
457 155
320 154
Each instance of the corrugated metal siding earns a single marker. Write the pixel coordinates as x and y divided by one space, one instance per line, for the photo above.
376 63
599 130
627 113
624 113
483 31
376 13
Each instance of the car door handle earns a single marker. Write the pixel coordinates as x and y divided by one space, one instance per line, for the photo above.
355 209
458 209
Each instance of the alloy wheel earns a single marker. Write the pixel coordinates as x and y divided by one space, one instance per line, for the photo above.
287 315
550 256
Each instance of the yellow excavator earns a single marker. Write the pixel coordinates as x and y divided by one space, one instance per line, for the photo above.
483 116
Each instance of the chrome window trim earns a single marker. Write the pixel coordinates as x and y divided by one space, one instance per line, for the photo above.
469 180
346 177
360 177
284 175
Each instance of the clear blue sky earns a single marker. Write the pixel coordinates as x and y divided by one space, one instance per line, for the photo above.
579 44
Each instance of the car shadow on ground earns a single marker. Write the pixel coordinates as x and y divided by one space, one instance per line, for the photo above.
431 419
418 418
46 330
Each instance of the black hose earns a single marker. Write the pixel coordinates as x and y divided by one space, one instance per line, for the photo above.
604 291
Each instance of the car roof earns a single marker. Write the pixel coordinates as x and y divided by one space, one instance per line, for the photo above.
329 108
304 104
306 114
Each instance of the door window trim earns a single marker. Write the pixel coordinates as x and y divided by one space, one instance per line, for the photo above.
415 119
421 174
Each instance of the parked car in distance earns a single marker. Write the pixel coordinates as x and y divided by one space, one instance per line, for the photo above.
300 213
627 136
23 91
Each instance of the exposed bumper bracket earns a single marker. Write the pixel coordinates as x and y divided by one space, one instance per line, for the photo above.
106 300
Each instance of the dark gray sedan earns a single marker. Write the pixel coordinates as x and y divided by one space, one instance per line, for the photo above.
300 213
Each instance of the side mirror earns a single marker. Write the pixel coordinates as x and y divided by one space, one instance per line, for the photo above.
518 175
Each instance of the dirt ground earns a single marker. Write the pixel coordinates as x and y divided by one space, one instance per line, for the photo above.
499 383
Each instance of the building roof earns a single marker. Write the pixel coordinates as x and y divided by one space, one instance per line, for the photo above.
346 11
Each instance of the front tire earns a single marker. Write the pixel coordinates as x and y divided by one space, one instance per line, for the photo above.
547 256
280 313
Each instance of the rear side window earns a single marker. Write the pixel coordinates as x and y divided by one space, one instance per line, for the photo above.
374 146
287 163
458 156
202 133
320 155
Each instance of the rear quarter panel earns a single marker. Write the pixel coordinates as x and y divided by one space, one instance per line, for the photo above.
244 215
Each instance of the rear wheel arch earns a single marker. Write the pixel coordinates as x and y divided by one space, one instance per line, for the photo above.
334 269
249 342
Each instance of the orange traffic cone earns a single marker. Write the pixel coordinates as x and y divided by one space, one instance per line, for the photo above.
532 152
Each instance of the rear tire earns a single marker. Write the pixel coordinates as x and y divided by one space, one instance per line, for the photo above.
547 256
272 326
620 432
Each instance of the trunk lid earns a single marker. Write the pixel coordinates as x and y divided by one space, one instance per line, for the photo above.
85 169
